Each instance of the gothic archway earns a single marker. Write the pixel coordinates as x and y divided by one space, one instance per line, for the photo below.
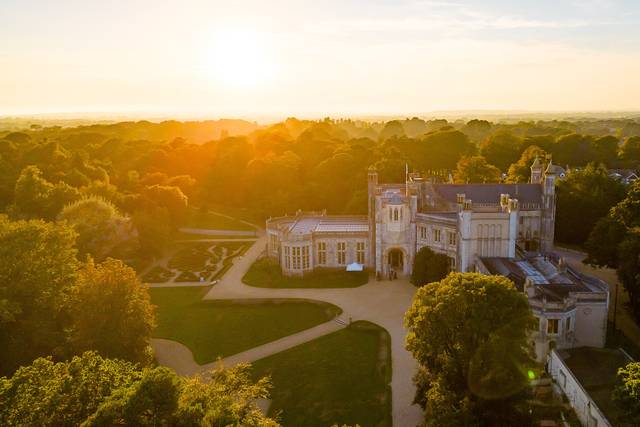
396 260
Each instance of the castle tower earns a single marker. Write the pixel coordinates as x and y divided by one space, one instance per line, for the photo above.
536 171
372 186
548 207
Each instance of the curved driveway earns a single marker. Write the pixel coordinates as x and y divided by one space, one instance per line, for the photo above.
383 303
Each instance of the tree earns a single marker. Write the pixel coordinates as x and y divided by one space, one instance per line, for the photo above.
621 224
574 150
35 197
629 269
521 170
626 395
151 401
32 193
501 149
630 151
154 230
170 198
90 390
99 225
123 330
38 270
606 150
45 393
429 266
472 365
392 129
475 169
582 199
604 239
226 398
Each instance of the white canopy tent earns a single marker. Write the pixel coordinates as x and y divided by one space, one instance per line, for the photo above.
354 266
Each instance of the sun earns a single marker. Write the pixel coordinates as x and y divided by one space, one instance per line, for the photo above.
241 58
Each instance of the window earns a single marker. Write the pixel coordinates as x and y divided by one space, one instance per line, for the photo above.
436 235
296 258
287 257
305 257
563 379
452 238
322 253
538 321
567 324
342 253
360 252
395 214
521 220
452 263
274 242
423 232
552 326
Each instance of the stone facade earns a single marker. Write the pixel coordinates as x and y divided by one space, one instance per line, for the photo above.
505 229
463 221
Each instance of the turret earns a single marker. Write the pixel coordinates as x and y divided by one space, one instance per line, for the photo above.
536 171
372 187
549 207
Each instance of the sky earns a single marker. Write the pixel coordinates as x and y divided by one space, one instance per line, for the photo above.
318 58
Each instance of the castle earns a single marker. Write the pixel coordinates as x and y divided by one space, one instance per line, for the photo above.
464 221
505 229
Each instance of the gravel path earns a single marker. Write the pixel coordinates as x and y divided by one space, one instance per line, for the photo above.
383 303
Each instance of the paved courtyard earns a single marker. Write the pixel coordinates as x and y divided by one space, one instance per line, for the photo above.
383 303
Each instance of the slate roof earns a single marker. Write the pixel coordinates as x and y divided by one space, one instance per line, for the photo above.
490 193
329 224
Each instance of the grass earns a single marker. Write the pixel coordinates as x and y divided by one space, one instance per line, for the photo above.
266 273
157 275
222 328
199 219
187 276
341 378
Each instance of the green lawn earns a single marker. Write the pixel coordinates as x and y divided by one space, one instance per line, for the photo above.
198 219
266 273
222 328
343 377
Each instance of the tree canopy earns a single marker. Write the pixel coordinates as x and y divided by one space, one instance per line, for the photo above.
429 266
93 391
583 198
468 333
124 330
615 242
475 169
626 395
38 271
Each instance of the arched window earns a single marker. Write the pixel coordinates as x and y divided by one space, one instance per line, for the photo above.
395 214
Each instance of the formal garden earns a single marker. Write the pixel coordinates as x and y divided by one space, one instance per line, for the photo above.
195 261
346 374
266 273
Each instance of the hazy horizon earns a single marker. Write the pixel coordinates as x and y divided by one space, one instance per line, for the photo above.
354 58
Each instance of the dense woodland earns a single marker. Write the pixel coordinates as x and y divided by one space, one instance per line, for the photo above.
76 198
286 166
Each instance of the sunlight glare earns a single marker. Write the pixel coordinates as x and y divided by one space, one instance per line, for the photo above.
241 59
